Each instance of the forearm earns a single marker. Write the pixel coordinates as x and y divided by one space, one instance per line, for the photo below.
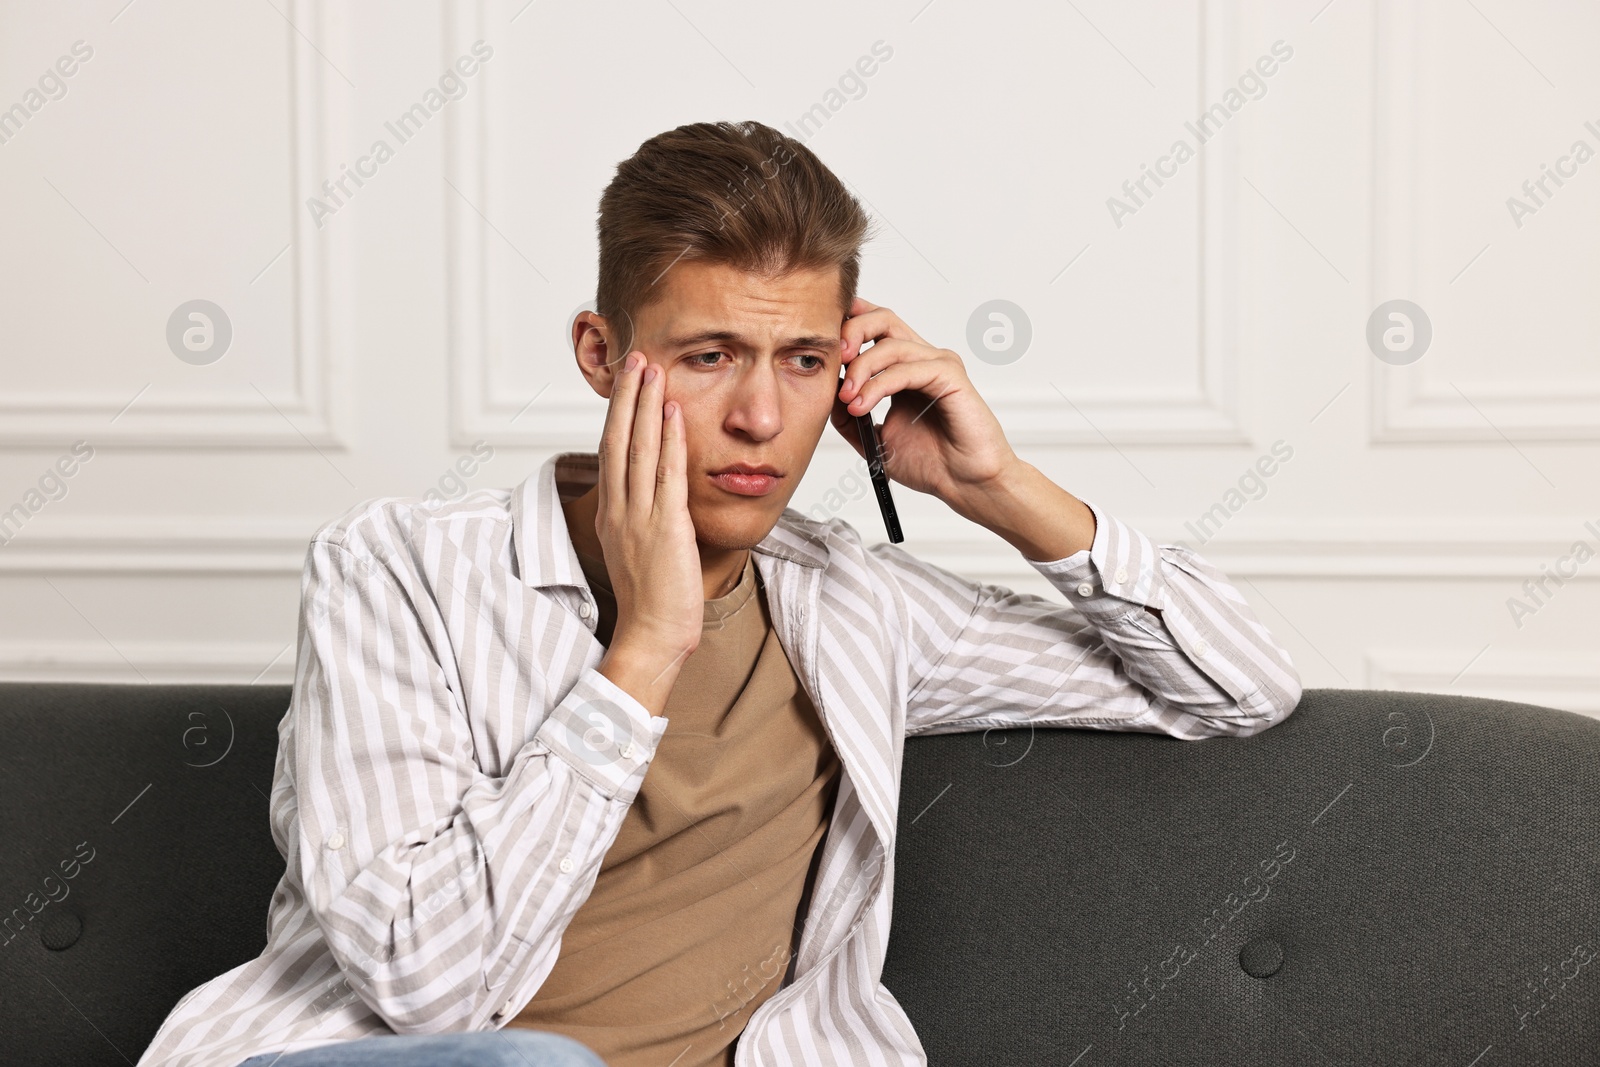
1035 515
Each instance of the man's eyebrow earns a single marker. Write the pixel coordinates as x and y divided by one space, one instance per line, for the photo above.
730 337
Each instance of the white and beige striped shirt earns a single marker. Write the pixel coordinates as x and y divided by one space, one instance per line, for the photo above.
452 768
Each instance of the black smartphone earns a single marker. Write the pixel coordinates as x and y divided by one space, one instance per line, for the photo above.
880 480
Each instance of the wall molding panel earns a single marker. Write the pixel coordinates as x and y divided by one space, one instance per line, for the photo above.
307 417
155 662
1407 405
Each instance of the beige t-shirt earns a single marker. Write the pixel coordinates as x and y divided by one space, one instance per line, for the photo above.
693 917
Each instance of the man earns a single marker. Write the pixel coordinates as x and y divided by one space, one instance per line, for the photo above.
607 763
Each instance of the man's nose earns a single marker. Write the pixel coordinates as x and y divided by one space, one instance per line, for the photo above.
754 411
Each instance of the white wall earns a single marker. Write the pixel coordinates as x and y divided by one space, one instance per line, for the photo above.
1172 348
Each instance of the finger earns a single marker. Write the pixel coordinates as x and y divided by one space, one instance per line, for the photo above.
879 358
847 346
672 478
871 325
929 377
614 438
882 354
644 449
858 306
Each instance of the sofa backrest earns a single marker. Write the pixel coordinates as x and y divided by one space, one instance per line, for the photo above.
139 861
1382 877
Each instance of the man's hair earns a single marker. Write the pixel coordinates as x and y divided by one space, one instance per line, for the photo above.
741 194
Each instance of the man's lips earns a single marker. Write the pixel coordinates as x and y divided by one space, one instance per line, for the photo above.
746 479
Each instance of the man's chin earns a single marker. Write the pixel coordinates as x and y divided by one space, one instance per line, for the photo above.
739 526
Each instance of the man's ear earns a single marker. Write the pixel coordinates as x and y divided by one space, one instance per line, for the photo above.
592 347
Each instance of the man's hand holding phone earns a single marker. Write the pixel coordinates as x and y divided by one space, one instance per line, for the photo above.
647 535
939 437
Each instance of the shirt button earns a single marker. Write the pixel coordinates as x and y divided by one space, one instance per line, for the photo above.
566 864
627 750
1122 574
1201 648
584 611
336 842
509 1007
1085 589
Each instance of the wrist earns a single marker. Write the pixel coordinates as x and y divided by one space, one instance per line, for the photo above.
1034 515
999 494
642 671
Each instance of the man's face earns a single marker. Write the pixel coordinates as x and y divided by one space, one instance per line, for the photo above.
754 363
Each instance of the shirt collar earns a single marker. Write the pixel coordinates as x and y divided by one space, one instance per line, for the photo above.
543 545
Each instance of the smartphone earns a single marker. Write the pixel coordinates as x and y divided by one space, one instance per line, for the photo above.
880 480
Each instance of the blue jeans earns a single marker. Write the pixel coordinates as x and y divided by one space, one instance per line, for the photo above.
487 1048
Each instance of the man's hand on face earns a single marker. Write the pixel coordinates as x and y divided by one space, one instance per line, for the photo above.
647 535
939 436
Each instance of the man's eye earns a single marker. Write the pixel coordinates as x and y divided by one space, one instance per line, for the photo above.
817 362
712 356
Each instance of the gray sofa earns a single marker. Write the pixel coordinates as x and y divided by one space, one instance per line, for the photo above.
1384 878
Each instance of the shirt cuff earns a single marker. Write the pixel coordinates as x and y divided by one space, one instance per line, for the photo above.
1118 573
603 734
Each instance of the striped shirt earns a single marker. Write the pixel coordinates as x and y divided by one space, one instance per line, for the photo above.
452 768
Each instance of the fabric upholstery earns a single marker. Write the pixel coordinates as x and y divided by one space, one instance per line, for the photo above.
1381 878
